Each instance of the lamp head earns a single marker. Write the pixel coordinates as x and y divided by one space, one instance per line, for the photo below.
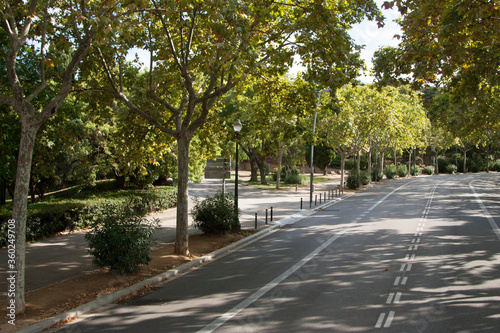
237 126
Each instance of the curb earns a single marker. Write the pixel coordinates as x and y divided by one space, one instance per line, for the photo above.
108 299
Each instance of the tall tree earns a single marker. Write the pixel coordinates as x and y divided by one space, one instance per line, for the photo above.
51 30
201 49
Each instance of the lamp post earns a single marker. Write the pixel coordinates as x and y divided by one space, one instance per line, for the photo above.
237 128
312 147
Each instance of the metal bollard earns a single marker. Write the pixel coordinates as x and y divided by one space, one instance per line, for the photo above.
266 216
320 195
255 221
271 214
301 201
324 196
316 200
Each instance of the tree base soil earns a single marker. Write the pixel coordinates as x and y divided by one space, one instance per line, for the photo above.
60 297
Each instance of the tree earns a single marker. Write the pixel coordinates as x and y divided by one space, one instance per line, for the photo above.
201 50
53 33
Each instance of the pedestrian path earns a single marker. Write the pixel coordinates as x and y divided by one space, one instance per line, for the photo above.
64 257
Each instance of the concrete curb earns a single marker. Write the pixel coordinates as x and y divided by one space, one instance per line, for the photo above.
108 299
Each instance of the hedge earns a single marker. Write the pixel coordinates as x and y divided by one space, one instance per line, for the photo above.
48 218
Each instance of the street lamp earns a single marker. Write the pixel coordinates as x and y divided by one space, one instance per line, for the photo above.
237 128
312 148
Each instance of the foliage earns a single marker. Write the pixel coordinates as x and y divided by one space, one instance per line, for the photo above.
429 170
390 171
365 178
353 181
496 165
402 170
82 206
215 215
377 175
415 170
122 240
451 168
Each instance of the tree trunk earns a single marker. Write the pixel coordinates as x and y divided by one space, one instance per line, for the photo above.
278 174
358 162
20 202
254 170
262 169
181 240
382 161
370 162
465 161
342 170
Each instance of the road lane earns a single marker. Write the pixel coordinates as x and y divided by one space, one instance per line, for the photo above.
365 264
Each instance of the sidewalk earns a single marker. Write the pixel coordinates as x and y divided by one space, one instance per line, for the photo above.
64 257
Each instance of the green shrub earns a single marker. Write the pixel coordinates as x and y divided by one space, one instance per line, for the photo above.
415 170
294 179
377 174
443 163
495 166
121 241
429 170
215 215
364 177
402 170
390 171
451 168
353 181
85 208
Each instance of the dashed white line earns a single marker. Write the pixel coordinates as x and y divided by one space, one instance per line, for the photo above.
404 280
390 317
380 320
397 298
396 282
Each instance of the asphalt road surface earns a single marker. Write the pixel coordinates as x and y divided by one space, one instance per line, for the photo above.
412 255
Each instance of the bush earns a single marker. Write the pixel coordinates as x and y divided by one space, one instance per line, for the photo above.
377 174
294 179
121 241
402 170
451 168
215 215
353 181
364 177
429 170
390 171
415 170
496 166
86 208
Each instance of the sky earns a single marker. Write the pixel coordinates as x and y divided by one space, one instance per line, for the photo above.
366 33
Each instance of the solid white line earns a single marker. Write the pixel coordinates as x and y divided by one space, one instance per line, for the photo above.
390 317
493 225
262 291
380 320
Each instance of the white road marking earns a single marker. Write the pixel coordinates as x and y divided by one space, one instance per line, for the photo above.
396 282
398 297
218 322
389 298
404 280
380 320
493 225
390 317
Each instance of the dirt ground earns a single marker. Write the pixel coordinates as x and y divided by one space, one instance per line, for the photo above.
63 296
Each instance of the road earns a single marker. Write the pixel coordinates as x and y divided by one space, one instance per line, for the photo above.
413 255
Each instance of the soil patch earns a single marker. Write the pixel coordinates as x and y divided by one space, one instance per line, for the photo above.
66 295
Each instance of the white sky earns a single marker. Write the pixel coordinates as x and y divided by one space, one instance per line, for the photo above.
366 33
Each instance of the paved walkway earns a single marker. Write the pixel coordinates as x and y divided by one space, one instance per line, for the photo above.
64 257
